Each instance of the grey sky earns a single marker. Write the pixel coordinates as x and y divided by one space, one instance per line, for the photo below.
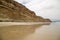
45 8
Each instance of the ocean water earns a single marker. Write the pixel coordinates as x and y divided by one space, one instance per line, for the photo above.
38 31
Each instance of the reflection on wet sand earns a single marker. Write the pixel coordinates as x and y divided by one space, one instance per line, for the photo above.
17 32
31 32
46 32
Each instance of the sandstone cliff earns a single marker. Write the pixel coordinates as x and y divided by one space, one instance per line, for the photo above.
11 10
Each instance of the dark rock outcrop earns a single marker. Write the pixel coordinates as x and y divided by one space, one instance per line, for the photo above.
10 9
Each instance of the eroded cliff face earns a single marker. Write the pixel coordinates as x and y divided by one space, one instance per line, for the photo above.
11 10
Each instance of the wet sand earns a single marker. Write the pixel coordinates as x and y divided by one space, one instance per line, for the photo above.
30 32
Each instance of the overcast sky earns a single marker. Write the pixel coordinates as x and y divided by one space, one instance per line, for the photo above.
45 8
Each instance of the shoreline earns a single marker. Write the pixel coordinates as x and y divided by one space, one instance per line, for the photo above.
22 23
